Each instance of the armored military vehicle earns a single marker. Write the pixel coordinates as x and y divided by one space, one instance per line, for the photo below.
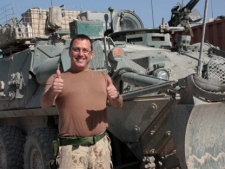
173 113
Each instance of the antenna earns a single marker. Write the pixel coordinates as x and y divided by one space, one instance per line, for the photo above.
199 70
152 15
51 3
212 8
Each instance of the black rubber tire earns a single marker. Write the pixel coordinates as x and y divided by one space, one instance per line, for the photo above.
38 148
11 148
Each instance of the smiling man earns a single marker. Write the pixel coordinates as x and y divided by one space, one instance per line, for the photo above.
80 95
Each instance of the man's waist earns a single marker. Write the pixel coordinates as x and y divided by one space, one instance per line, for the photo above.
83 141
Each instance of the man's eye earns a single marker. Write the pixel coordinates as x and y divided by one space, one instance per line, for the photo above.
76 50
85 51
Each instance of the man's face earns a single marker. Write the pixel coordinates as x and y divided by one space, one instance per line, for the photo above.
80 54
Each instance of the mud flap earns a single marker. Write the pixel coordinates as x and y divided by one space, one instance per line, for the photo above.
204 140
198 132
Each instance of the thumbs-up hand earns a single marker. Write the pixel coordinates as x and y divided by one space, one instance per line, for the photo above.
111 89
57 85
58 73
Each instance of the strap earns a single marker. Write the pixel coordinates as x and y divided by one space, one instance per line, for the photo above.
83 141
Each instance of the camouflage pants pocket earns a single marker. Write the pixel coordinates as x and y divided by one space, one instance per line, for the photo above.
97 156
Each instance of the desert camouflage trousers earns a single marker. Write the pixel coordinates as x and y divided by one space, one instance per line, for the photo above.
97 156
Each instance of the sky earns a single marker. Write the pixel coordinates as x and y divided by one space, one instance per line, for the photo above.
143 8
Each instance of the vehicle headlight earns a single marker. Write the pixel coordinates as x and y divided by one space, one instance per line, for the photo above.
161 74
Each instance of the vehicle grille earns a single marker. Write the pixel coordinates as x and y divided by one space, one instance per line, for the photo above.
216 69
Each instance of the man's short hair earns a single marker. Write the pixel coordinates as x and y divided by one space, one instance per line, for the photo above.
81 37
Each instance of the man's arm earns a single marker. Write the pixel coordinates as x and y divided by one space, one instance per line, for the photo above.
114 98
52 90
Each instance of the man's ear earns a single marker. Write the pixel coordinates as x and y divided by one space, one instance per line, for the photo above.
92 54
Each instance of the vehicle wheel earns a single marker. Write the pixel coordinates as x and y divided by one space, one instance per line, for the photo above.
38 148
11 148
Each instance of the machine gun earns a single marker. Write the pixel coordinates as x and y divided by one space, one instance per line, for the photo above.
184 14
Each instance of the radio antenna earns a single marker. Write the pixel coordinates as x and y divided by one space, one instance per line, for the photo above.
152 14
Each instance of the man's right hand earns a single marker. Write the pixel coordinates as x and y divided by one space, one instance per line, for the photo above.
57 85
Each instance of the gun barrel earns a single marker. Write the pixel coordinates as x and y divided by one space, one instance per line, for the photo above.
190 5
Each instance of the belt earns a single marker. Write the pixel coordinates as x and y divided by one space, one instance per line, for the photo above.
80 141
